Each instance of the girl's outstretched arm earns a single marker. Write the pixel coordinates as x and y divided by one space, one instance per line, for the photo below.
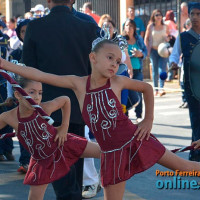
145 126
64 104
37 75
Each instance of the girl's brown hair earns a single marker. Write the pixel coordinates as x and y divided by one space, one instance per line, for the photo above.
152 18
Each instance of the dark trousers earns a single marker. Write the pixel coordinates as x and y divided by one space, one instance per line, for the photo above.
6 145
24 155
137 75
194 112
69 187
183 93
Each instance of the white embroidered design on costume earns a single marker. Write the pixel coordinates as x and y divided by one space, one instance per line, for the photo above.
99 103
37 138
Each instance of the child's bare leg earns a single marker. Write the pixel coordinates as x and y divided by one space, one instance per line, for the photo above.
92 150
174 162
114 192
36 192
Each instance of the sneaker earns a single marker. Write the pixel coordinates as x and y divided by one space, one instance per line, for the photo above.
23 168
9 156
2 157
185 105
91 191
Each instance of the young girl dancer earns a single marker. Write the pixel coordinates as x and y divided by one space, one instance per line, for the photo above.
53 150
126 149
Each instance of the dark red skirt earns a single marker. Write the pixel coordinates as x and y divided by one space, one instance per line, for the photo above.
133 158
58 164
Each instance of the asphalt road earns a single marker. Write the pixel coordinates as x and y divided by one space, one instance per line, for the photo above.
171 127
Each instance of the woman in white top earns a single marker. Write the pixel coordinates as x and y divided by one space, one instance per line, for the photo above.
156 34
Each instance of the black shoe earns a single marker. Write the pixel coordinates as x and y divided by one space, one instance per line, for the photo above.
182 105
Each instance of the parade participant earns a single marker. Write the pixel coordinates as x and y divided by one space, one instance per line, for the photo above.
185 44
126 149
54 44
52 150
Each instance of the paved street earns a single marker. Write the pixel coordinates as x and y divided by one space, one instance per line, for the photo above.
171 127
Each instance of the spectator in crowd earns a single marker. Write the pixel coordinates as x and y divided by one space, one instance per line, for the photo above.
3 22
184 15
156 34
137 52
173 32
170 22
103 19
4 40
139 23
3 19
28 15
68 44
6 145
38 11
17 55
87 9
11 28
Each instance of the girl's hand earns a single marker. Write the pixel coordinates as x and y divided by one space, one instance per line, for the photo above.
61 136
130 72
196 144
136 53
144 129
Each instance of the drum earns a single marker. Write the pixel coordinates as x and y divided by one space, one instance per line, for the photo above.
164 50
194 71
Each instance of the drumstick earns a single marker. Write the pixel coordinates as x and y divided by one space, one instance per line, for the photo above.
7 135
26 96
183 149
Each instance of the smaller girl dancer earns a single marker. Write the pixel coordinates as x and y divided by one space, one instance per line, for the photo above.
126 148
52 150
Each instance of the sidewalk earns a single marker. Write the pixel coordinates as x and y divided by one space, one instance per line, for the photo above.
170 87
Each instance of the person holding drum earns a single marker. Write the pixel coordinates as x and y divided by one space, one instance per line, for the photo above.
156 34
188 44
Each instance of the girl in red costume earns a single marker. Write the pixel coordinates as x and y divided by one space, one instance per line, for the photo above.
52 150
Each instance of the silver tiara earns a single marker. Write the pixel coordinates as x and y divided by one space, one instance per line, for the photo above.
105 35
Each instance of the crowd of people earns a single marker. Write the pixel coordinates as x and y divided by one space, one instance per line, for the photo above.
79 63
